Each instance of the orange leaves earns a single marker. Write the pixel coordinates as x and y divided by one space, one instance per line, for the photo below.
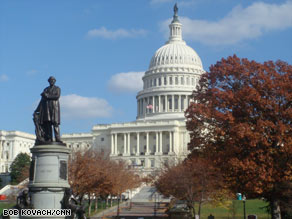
246 108
93 172
191 180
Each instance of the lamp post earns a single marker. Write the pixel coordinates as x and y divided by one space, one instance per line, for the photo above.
155 203
244 213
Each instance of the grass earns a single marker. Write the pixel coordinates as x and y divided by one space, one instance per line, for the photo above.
235 211
100 207
6 205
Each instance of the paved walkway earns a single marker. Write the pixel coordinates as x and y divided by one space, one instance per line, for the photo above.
145 204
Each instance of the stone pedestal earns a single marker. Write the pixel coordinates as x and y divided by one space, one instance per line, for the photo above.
48 176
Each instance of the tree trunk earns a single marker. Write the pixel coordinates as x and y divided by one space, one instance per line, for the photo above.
199 210
192 209
275 210
118 209
193 212
111 201
106 202
89 205
96 204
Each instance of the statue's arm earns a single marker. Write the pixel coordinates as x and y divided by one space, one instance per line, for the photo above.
55 94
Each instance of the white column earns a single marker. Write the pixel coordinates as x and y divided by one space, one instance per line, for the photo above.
138 144
143 106
147 102
170 142
153 104
112 144
129 144
172 103
157 145
159 103
179 103
185 102
167 103
125 143
160 144
138 112
147 142
116 144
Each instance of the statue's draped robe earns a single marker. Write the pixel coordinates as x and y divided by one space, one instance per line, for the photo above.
50 106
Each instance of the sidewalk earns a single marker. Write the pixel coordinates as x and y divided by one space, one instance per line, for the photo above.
109 211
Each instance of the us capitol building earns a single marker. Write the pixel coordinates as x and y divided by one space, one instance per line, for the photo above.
159 133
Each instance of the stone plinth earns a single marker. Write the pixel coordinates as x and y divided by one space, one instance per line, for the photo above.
48 176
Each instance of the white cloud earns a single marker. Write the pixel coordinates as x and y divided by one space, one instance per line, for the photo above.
3 77
114 34
78 107
160 1
126 82
31 72
239 24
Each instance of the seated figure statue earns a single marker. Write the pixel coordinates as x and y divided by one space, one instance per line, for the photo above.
70 202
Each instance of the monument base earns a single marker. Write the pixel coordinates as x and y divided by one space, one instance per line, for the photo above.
48 177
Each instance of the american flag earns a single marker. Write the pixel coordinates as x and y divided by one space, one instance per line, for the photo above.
149 106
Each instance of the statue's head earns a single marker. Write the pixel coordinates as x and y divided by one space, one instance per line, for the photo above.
52 80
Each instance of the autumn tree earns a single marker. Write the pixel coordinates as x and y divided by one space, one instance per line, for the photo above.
86 173
194 180
92 173
122 179
241 119
19 169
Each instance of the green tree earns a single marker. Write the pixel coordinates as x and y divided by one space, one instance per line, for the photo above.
19 169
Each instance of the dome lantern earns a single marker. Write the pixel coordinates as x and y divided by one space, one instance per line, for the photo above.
175 27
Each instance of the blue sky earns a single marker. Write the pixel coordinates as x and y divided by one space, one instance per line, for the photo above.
99 49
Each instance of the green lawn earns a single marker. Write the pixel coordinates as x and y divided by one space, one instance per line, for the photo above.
255 206
6 205
101 206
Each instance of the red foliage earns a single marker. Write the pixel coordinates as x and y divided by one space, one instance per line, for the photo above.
241 119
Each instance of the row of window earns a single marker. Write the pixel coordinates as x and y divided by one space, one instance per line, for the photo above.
166 104
77 145
141 162
172 80
160 60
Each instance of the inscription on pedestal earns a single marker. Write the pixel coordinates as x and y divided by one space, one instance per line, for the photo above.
47 169
63 170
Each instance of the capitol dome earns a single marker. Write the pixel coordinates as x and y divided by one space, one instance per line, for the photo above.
173 74
176 54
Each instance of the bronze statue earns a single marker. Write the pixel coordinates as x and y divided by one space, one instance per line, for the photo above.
175 9
70 202
47 115
23 200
